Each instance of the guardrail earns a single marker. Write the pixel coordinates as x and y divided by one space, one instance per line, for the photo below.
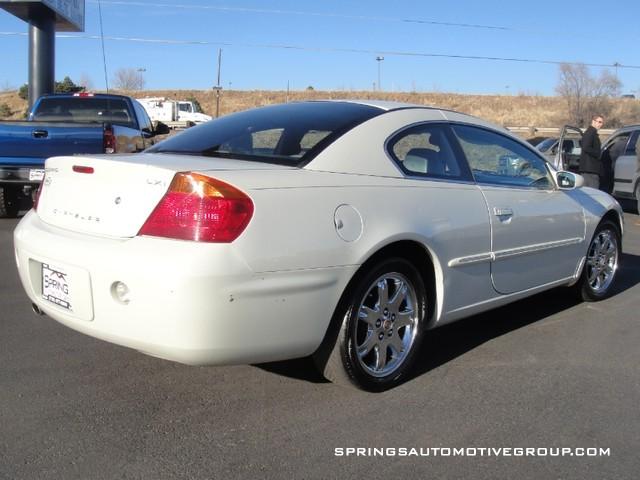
528 132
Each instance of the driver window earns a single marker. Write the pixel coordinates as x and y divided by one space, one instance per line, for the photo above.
497 159
618 145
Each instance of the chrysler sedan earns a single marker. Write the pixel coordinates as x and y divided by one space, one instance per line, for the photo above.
341 230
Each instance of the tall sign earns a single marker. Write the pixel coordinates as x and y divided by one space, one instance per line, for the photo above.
45 17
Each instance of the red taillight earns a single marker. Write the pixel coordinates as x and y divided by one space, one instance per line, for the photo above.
200 208
109 140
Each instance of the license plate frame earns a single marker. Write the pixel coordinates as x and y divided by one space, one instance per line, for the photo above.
56 286
36 174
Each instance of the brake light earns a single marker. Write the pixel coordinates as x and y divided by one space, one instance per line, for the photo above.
82 169
83 94
109 140
201 209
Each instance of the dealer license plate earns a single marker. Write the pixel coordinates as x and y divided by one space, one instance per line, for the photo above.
36 174
55 286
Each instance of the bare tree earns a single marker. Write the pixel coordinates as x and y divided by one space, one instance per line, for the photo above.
586 95
128 79
85 81
6 86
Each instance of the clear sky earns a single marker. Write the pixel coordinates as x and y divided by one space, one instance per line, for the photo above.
333 45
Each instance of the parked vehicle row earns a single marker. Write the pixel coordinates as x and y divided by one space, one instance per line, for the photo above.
339 230
619 159
66 125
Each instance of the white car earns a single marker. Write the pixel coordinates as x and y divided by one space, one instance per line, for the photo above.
342 230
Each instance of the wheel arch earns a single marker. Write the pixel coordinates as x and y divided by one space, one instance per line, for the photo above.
417 253
616 218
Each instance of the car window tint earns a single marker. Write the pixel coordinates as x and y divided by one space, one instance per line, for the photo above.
617 145
265 141
632 146
425 150
143 118
497 159
84 109
546 144
289 134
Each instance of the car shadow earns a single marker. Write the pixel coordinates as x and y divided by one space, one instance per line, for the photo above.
446 343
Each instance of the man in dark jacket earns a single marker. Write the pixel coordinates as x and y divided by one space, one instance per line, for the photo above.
590 166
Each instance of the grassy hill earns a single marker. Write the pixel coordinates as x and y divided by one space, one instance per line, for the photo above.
507 110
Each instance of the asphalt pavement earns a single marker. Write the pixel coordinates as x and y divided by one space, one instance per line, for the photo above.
546 388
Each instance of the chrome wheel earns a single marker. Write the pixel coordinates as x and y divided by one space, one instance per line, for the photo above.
386 326
602 261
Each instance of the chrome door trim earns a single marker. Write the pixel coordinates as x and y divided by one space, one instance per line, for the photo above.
471 259
539 247
512 252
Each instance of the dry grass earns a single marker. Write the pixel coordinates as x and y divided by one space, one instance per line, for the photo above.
507 110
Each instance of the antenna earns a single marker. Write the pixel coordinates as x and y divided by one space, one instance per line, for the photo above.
104 58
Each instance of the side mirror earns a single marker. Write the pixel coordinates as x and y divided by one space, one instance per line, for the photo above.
569 180
160 128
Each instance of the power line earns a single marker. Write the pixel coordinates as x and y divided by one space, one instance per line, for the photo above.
398 53
304 13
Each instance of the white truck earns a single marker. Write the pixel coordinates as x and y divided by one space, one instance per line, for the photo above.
174 113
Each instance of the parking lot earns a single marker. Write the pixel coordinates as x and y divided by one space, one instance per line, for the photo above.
546 373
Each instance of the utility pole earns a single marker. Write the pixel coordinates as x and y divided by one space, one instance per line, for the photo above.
379 59
217 88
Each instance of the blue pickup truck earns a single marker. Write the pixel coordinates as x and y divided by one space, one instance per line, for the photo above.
65 125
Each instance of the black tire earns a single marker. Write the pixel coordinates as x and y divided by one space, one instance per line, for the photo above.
637 194
371 351
9 202
601 265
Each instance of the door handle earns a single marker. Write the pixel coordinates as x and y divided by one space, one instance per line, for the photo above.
40 134
502 212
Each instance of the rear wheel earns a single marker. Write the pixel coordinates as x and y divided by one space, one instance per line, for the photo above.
601 265
382 323
9 202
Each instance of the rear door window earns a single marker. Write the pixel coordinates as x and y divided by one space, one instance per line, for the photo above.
426 150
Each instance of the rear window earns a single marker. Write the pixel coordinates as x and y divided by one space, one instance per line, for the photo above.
84 109
289 134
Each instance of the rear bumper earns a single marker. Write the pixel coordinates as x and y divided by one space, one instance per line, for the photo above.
197 304
20 175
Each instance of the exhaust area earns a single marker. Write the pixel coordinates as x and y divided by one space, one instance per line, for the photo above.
36 309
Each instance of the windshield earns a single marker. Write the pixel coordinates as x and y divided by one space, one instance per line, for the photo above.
290 134
546 144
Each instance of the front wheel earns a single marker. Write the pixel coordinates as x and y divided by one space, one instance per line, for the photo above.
601 264
382 323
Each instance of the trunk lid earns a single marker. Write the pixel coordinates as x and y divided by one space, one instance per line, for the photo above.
117 197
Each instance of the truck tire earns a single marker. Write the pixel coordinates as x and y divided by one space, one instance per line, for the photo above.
9 202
